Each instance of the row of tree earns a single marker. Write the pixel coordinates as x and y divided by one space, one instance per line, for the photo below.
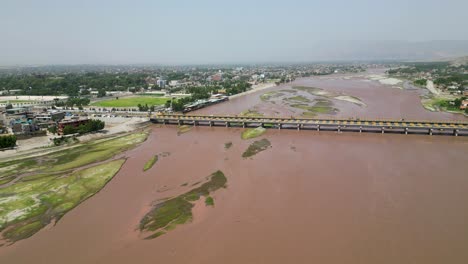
90 126
71 84
74 101
7 141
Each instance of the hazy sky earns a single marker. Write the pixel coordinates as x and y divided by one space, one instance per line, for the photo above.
205 31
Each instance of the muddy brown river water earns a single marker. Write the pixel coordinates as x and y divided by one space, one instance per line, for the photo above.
314 197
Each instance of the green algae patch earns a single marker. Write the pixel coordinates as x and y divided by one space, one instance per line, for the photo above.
165 216
256 147
28 206
149 164
209 201
298 98
183 129
251 113
270 95
319 106
252 132
227 145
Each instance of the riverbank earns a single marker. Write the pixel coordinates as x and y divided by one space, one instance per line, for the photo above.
255 88
114 126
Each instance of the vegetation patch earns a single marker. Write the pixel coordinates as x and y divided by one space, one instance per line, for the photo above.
228 145
149 164
443 104
270 95
183 129
168 214
320 106
251 113
298 98
28 206
252 132
209 201
131 101
330 95
256 147
91 152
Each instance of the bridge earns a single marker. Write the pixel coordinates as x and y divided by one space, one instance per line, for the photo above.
428 127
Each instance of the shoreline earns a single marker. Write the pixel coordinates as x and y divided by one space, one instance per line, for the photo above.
259 87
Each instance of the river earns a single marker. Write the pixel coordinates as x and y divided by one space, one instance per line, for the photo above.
314 197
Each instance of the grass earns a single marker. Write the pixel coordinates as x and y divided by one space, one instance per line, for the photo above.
9 169
28 206
252 132
256 147
150 163
94 151
168 214
209 201
131 101
228 145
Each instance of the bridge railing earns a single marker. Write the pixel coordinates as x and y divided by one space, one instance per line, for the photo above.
179 116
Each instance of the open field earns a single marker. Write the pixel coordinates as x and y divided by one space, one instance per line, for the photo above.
132 101
40 189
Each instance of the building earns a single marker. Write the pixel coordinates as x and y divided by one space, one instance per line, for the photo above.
217 77
17 111
161 83
70 122
464 105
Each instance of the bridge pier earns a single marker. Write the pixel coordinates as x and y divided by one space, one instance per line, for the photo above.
179 122
455 132
298 127
195 123
360 129
227 124
279 126
406 131
318 127
383 130
339 129
430 131
211 123
243 124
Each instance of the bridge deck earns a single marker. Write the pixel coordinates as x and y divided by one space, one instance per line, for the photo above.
303 123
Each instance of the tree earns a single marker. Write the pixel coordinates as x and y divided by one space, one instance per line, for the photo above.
8 141
101 93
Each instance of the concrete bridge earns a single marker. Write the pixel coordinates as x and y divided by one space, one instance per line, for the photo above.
429 127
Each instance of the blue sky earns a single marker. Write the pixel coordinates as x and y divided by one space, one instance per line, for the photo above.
205 31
